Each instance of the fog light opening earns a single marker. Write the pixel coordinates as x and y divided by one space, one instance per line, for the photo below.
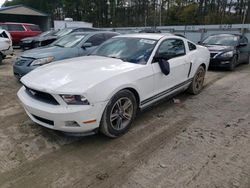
71 124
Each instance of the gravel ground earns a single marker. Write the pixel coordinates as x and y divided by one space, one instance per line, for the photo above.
199 141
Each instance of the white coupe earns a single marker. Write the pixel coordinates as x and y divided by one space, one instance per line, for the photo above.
104 91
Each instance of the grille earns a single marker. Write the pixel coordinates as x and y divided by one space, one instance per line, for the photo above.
41 96
21 62
49 122
212 55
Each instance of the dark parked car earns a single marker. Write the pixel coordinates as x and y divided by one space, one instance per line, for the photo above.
48 37
69 46
227 50
43 39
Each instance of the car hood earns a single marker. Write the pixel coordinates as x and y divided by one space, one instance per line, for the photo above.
219 48
44 52
77 75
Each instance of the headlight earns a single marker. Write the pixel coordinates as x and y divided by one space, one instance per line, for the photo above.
75 99
42 61
227 54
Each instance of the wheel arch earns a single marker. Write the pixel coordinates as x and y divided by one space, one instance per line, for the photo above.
204 66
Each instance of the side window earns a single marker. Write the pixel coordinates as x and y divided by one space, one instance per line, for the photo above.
15 28
243 40
4 35
172 48
33 27
97 39
191 46
3 26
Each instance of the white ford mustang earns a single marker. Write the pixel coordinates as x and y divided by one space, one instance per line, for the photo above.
104 91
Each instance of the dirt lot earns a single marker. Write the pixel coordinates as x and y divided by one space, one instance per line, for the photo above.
203 141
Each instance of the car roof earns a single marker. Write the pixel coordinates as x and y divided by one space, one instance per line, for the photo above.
16 23
93 32
153 36
227 34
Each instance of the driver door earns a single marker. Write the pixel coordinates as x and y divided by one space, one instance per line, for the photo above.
175 51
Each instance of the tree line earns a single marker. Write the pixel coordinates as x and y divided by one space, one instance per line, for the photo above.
129 13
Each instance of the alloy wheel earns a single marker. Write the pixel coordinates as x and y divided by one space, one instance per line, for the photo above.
121 113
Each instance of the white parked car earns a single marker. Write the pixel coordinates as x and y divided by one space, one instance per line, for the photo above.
104 91
5 44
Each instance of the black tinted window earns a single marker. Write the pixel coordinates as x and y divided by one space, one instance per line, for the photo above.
191 46
172 48
97 39
15 28
244 40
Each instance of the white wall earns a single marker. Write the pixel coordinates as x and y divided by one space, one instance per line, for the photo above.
58 24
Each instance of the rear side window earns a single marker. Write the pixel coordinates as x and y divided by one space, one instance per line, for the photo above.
97 39
172 48
13 27
4 35
33 27
191 46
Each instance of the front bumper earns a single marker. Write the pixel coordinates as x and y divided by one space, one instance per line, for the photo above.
20 71
56 117
220 62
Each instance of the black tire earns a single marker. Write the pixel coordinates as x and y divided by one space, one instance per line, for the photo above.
107 126
248 60
1 59
233 64
197 84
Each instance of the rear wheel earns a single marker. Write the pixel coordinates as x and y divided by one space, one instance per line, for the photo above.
198 81
1 58
119 114
248 60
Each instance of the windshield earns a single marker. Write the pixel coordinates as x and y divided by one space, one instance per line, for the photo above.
68 41
221 40
134 50
63 32
45 33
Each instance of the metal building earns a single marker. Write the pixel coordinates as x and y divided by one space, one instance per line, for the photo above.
25 14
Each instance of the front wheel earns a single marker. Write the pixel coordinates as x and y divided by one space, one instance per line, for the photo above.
1 59
233 64
197 84
119 114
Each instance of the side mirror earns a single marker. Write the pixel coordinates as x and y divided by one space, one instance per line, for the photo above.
164 64
242 44
87 45
199 42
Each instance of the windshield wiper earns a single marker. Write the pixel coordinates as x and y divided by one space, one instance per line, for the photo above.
59 45
116 58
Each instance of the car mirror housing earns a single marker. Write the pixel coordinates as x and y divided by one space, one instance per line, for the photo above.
163 63
87 45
